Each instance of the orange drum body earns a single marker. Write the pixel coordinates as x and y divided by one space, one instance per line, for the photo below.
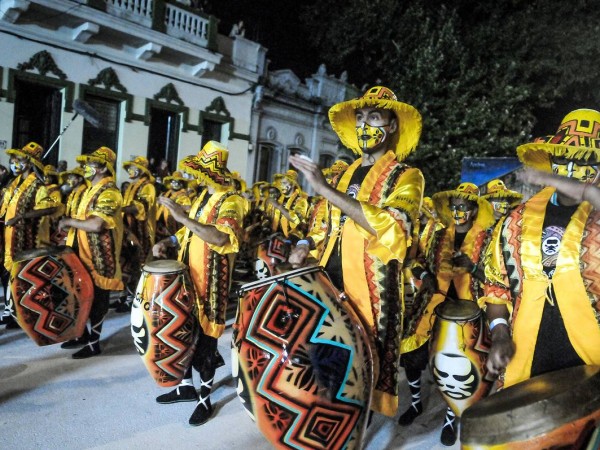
52 294
269 253
163 325
302 362
556 410
458 353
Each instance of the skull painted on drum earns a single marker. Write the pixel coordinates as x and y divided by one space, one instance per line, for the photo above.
455 375
261 269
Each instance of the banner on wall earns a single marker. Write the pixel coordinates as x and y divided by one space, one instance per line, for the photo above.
482 170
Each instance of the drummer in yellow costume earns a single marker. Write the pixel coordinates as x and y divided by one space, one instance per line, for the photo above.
451 271
96 232
139 204
166 225
502 199
24 205
288 212
48 197
208 244
78 185
542 271
373 210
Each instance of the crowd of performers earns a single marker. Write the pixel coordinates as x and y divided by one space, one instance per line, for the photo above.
531 266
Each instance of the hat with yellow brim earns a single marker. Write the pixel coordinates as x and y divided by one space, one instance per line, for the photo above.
467 191
209 165
103 155
141 163
62 177
33 151
497 190
175 176
343 120
577 138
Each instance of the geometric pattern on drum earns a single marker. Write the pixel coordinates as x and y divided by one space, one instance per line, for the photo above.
309 384
278 248
50 301
168 348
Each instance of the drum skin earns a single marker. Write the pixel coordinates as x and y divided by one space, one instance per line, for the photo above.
52 294
163 322
302 362
458 353
559 409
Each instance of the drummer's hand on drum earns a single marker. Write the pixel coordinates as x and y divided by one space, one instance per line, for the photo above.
501 351
461 260
160 249
298 256
64 224
174 208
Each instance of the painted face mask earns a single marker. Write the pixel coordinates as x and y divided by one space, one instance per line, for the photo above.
371 136
500 206
461 213
570 169
18 167
89 172
133 172
176 185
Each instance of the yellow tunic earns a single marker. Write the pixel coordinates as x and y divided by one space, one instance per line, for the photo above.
297 206
523 291
211 266
100 252
142 195
390 197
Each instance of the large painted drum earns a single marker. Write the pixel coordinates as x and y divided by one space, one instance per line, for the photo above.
163 325
557 410
51 293
269 254
458 352
302 362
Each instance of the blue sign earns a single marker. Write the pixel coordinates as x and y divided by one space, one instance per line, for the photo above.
482 170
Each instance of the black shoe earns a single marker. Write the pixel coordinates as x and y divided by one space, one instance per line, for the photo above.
448 436
86 352
179 394
12 325
9 321
410 414
201 414
74 343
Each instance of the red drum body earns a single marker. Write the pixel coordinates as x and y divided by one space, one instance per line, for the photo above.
302 362
269 253
557 410
52 294
458 353
163 325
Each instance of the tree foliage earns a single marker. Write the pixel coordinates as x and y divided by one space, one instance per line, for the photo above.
484 75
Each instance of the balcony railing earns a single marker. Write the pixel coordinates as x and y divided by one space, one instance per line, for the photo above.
169 17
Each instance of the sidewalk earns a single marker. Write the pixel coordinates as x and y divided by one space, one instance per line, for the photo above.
50 401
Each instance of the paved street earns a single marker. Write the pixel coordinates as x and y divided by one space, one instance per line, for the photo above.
50 401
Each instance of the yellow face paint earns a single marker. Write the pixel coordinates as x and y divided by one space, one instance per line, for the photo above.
500 206
581 172
89 172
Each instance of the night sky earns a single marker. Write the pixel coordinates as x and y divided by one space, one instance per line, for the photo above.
274 24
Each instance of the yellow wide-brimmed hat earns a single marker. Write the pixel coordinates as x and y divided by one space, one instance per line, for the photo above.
497 190
50 170
33 151
577 138
62 177
209 165
103 155
175 176
141 163
470 192
290 175
343 120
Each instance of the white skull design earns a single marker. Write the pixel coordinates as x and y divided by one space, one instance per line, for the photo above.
261 269
455 375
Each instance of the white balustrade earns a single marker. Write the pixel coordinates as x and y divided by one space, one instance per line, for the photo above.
138 11
186 25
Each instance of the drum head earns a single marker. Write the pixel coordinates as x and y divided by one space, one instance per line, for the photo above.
164 266
533 407
55 250
280 277
457 310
